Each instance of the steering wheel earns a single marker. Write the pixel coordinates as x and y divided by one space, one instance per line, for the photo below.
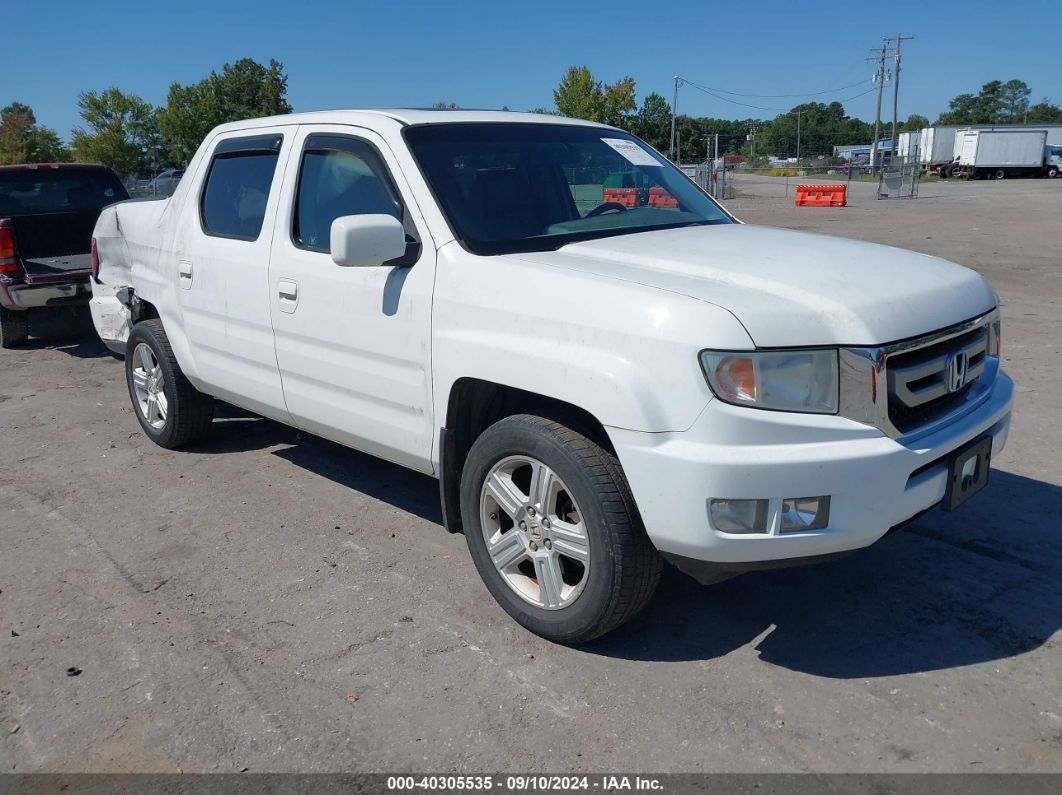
606 207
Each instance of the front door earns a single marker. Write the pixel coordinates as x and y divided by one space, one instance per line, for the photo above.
353 343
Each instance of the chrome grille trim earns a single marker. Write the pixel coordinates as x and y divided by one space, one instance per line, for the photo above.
866 380
922 382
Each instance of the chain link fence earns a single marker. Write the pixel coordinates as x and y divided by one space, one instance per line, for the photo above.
771 182
898 179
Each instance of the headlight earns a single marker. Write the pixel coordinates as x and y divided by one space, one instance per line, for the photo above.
801 380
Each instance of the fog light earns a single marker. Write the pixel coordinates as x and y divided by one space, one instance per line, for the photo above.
739 516
805 513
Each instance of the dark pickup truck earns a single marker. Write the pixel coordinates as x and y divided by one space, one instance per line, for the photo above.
47 213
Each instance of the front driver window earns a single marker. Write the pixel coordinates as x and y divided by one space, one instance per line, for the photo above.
337 178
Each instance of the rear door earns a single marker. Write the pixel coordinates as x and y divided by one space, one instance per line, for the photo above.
353 343
222 269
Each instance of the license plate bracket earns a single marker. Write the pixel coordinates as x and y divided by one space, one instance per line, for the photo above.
968 472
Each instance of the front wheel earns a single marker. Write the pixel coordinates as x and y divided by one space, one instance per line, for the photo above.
553 529
172 412
1052 172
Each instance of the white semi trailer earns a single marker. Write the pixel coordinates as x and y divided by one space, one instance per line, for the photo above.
938 147
997 154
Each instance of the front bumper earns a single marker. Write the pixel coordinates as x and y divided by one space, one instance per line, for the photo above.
874 482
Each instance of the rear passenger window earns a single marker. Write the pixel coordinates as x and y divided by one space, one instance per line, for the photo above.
237 187
339 176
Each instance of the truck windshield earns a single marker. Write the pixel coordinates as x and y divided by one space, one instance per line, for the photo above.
46 189
509 187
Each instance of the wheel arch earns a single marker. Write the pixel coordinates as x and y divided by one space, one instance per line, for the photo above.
473 405
141 309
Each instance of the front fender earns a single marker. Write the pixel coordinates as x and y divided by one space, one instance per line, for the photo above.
624 352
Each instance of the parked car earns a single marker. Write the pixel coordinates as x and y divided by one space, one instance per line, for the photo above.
165 183
597 387
47 212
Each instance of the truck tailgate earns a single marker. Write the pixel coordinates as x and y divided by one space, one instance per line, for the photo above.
46 270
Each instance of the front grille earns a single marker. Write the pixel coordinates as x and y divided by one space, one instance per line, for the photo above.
923 383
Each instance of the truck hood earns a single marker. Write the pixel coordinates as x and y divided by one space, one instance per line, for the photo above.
791 288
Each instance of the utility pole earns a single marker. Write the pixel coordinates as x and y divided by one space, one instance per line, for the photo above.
674 111
715 170
752 142
900 39
799 112
879 77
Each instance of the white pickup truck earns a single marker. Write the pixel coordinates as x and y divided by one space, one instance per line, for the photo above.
601 365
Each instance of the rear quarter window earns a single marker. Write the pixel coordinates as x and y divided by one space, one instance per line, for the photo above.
237 188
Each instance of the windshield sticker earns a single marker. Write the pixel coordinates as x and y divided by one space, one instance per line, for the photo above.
632 152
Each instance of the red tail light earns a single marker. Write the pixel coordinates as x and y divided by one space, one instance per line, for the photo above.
8 255
95 261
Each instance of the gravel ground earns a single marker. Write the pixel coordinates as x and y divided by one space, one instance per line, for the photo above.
274 602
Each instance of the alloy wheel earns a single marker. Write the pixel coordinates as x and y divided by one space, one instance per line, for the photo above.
149 385
534 532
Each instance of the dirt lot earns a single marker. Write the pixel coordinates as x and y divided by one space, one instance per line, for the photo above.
273 602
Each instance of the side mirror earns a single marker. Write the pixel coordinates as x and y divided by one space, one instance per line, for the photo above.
367 240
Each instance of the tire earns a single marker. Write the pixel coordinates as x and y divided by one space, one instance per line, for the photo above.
1052 172
587 514
172 412
999 173
14 328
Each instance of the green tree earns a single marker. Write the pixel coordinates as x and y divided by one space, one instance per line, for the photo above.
1014 101
190 113
996 103
245 89
249 90
120 132
445 106
690 133
652 122
22 140
914 123
581 96
45 146
821 127
1045 112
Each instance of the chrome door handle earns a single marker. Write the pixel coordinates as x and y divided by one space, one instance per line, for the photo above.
288 292
184 274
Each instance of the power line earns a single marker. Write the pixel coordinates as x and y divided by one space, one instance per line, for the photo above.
761 107
775 96
710 93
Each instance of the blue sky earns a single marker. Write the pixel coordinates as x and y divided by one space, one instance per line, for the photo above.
488 54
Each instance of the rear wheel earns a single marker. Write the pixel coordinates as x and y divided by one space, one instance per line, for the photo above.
554 531
14 328
999 173
172 412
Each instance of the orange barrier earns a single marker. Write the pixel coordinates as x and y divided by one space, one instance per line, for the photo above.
821 195
658 197
628 197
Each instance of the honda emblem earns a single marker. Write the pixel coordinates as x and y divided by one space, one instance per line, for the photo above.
957 367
